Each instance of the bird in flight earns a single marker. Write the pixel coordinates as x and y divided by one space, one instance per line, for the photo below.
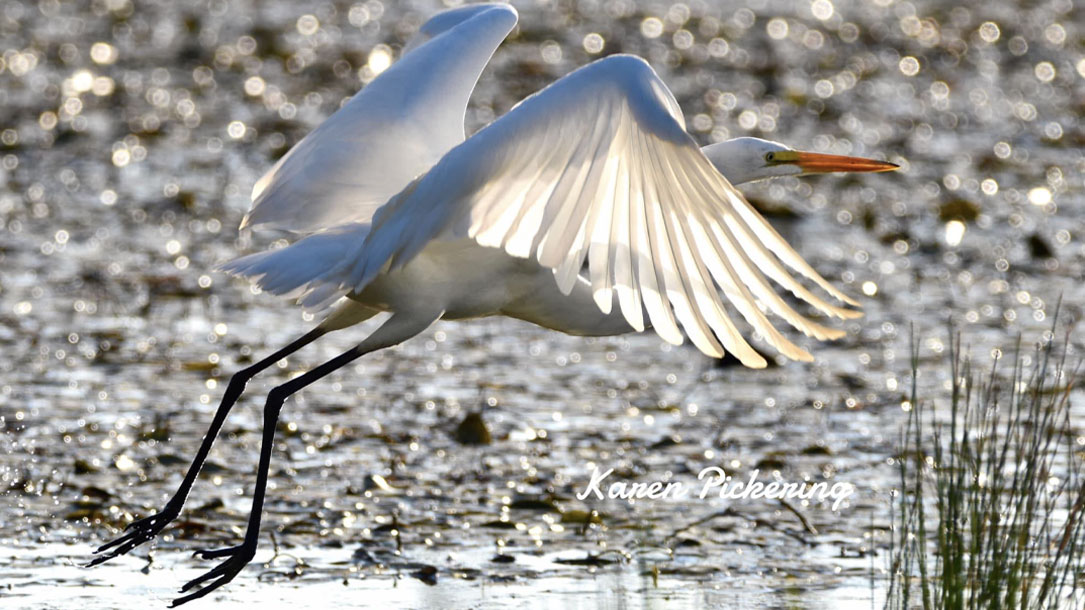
587 209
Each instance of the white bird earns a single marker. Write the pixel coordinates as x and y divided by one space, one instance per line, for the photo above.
405 216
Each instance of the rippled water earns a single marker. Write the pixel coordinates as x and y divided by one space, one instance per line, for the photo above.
131 134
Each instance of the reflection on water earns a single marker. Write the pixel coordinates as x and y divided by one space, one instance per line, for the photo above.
132 134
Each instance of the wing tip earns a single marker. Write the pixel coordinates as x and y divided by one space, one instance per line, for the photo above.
496 7
848 314
752 360
848 300
505 14
449 19
261 185
831 334
507 9
801 356
604 300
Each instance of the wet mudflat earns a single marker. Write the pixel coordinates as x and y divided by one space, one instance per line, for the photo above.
131 134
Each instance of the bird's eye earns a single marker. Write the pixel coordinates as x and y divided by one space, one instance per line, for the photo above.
770 157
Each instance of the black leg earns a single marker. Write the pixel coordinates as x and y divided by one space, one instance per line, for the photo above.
145 529
394 330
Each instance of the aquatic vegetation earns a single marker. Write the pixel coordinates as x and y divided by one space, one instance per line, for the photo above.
992 506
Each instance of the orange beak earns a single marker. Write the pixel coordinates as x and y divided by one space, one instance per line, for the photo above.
817 163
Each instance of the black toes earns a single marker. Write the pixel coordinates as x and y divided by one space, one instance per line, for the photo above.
239 557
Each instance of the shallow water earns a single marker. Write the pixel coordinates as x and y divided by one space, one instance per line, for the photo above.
132 133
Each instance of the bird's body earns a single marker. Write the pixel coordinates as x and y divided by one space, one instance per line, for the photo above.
586 209
497 284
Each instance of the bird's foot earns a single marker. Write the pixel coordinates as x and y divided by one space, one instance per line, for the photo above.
137 532
216 553
237 558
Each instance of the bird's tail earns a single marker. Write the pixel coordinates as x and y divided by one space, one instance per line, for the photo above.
309 270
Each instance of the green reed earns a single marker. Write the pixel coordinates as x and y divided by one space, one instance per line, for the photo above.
991 504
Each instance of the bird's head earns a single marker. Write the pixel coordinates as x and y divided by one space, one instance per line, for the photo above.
749 159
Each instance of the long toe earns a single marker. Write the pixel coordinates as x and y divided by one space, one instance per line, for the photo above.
119 546
224 573
136 533
202 592
216 553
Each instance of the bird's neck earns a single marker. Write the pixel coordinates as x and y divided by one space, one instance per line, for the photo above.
733 162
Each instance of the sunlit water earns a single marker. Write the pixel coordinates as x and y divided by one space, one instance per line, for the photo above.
131 134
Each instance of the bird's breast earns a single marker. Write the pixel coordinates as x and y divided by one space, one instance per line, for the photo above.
461 278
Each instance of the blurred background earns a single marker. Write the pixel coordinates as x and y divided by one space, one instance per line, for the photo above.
131 134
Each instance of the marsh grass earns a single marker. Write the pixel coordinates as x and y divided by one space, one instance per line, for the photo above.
992 502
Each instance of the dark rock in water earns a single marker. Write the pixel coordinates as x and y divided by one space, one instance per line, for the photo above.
532 503
473 430
500 525
1038 247
590 560
773 461
895 236
427 574
667 441
817 450
582 516
85 467
958 209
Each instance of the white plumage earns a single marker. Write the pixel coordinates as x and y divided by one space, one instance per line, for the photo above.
388 133
595 168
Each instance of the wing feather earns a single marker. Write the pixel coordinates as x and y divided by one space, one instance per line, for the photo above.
726 262
647 252
781 249
677 279
600 220
388 133
599 166
592 196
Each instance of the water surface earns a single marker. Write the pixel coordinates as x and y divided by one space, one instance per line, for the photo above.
133 132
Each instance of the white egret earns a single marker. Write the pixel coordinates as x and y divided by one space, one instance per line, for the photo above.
407 217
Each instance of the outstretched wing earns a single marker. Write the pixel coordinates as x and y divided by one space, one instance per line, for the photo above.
391 131
599 166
